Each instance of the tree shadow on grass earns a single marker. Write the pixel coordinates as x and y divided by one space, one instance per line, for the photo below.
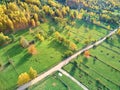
21 32
13 51
85 60
73 69
25 58
57 46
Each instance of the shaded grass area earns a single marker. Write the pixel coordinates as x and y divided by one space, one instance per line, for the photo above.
56 82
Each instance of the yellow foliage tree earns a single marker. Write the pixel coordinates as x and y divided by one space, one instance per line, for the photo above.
10 24
40 37
87 54
118 32
36 17
23 78
73 46
57 34
108 27
33 22
32 73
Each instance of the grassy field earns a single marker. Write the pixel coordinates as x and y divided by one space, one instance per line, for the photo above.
56 82
49 53
102 69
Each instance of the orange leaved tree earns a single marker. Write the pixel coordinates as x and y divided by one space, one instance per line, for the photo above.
32 50
87 54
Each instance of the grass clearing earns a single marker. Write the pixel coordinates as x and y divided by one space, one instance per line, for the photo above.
56 82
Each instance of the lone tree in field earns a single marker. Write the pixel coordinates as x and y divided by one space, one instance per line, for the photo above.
32 50
87 54
32 73
73 46
23 78
23 42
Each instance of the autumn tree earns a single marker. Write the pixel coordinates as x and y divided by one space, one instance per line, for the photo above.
10 24
73 46
108 27
3 38
32 73
87 54
23 78
46 9
12 6
35 17
36 2
33 23
118 32
40 37
64 12
32 50
56 34
67 9
58 13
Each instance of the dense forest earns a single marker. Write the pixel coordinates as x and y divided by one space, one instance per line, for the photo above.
21 14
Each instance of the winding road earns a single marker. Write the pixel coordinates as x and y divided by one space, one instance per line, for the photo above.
63 63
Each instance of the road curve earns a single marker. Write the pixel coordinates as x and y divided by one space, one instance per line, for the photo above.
64 62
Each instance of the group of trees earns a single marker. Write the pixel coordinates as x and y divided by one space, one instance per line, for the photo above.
28 13
26 77
14 16
31 47
97 11
71 45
